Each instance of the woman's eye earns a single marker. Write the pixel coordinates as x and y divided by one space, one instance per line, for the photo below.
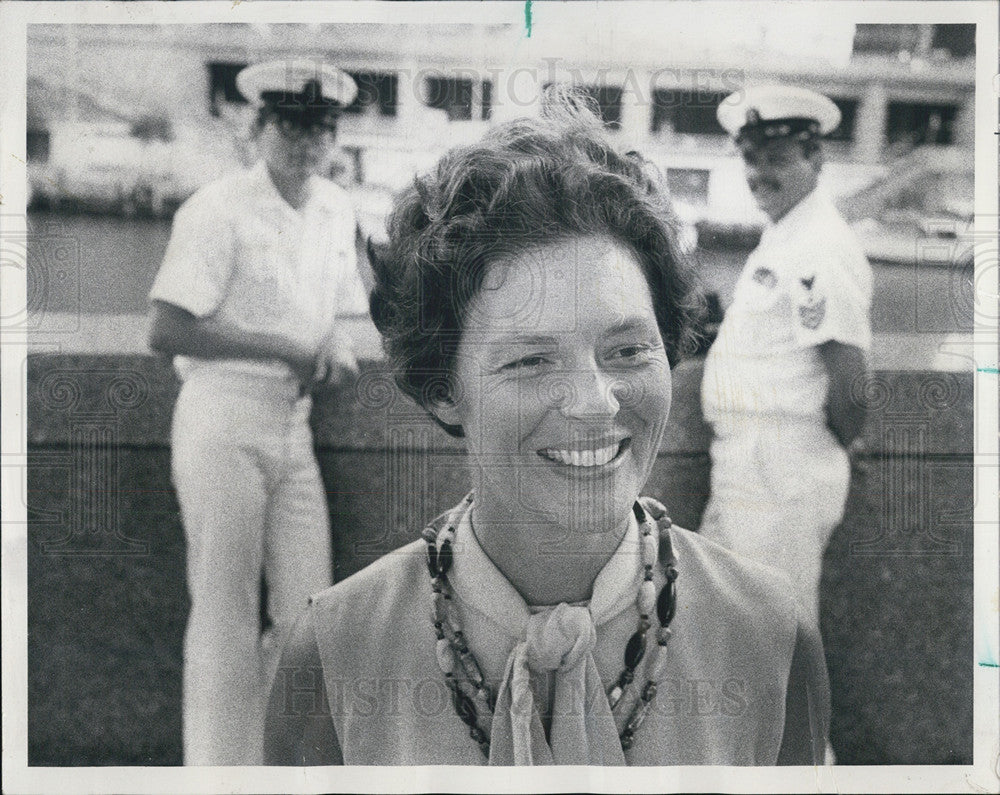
631 353
525 363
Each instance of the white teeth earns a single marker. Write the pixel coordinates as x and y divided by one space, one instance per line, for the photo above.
583 458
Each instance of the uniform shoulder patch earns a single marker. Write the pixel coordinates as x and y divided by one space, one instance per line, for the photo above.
810 302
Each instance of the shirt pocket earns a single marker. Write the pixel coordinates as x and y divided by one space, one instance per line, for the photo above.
265 283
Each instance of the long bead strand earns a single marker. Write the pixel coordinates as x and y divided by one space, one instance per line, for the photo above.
454 656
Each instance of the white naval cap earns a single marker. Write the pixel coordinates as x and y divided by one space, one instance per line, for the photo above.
774 111
301 83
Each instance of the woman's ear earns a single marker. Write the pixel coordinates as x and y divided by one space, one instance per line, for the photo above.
443 400
447 418
445 410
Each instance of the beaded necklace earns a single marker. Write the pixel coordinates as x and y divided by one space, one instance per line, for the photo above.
461 670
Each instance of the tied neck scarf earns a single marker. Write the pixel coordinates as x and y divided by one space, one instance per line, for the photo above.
560 640
583 731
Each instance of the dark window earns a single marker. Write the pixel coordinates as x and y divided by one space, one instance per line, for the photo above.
958 40
608 101
151 127
916 123
886 39
848 113
450 94
375 88
487 100
687 112
222 85
38 146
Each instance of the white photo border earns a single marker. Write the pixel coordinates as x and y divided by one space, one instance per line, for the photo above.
981 776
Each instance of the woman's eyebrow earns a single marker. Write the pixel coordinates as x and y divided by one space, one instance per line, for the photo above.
632 324
638 323
528 339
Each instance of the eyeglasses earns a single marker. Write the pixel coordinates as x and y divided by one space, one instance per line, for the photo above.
293 131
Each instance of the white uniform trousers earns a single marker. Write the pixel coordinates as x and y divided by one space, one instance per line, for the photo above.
252 501
779 486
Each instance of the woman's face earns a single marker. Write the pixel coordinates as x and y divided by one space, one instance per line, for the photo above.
562 384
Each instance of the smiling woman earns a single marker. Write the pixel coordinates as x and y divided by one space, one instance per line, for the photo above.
533 300
590 391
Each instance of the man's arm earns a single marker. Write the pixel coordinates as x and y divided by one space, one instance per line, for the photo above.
176 331
844 415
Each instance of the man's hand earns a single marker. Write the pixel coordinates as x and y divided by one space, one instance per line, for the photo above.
335 362
844 364
304 365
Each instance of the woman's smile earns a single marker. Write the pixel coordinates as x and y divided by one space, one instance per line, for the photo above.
602 458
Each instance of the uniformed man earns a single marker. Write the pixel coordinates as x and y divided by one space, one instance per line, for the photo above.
259 266
778 380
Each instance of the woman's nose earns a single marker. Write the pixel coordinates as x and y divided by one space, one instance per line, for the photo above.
587 392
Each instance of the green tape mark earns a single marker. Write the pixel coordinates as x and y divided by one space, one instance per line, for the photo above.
993 370
527 18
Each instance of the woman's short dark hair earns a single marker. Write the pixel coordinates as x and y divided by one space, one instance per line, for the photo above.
527 183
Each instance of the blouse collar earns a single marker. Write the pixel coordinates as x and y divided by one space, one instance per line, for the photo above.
478 582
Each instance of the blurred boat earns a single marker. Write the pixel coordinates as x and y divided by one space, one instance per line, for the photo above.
917 209
920 211
124 168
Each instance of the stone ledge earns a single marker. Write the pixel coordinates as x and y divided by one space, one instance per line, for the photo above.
929 413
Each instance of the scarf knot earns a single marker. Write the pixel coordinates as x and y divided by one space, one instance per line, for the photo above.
562 640
559 639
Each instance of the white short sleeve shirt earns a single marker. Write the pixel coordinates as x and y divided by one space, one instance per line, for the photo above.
238 251
808 282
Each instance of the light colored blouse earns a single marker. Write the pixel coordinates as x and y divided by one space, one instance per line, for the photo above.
360 684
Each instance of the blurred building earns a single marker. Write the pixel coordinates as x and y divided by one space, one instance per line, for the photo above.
140 115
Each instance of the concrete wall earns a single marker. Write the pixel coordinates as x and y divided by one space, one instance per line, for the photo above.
107 606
